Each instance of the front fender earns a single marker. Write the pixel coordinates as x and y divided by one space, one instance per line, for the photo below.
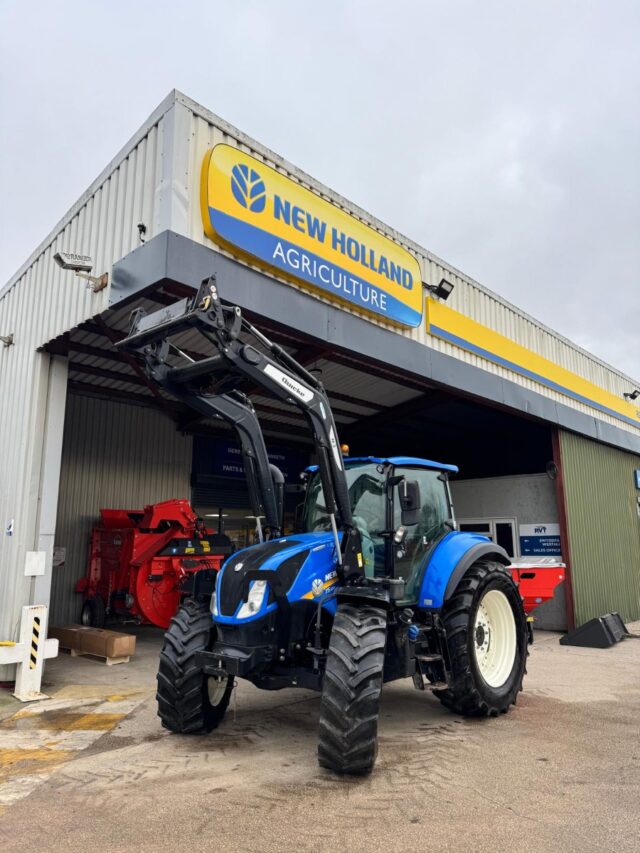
450 560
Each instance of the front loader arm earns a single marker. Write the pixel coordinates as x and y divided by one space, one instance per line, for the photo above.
275 370
241 416
235 409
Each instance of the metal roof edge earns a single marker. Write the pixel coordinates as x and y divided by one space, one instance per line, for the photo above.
381 226
163 107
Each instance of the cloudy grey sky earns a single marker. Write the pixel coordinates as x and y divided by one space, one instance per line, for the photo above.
503 136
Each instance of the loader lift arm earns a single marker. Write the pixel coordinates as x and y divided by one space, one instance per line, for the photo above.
275 370
264 481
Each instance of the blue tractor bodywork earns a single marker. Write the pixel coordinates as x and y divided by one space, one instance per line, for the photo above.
448 562
315 558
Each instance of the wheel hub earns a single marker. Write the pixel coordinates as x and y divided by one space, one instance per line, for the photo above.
494 634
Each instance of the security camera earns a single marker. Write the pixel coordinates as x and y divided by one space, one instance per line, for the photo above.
72 261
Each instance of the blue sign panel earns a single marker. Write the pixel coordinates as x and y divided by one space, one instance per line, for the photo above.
540 546
540 540
227 461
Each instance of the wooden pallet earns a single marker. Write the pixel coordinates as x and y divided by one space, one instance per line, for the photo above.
76 653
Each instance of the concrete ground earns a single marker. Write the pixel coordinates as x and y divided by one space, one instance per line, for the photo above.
92 769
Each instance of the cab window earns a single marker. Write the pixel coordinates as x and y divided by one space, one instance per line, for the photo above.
431 525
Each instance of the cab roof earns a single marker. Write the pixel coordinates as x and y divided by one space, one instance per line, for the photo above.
411 461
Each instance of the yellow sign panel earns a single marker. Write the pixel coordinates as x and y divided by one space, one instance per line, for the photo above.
288 228
468 334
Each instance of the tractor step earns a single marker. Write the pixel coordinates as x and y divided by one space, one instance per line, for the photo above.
437 685
429 658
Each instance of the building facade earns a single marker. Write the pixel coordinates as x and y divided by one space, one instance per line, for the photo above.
471 378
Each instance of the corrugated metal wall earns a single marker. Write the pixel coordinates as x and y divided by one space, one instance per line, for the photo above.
114 456
40 302
603 526
204 129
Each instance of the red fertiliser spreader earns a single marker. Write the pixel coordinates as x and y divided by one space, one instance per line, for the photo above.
143 562
537 579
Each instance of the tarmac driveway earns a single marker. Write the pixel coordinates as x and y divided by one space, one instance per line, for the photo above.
561 771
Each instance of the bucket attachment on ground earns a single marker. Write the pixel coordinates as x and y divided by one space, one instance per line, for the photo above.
598 633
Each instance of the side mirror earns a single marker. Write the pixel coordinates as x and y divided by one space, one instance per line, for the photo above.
410 504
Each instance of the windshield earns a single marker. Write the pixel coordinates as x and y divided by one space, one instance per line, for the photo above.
367 494
366 484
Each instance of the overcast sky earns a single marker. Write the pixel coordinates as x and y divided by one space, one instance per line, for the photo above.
503 136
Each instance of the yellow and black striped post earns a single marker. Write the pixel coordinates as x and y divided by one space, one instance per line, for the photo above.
35 639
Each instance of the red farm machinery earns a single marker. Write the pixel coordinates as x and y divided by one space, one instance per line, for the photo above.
142 563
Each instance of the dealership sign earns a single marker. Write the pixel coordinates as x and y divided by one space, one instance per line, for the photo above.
542 540
288 228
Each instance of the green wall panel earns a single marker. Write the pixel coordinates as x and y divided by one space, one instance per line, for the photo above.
603 527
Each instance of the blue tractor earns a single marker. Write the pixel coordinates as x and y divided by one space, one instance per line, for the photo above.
377 583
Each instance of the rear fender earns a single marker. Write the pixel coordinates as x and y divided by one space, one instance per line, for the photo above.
449 562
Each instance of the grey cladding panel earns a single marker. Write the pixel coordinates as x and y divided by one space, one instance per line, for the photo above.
172 257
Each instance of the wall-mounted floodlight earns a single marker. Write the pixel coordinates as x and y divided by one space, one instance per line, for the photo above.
81 266
442 291
632 395
7 340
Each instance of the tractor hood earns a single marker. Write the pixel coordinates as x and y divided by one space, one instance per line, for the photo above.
305 564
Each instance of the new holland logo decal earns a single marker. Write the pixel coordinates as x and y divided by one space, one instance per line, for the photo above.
252 208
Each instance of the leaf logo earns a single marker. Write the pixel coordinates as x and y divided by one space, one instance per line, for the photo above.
248 188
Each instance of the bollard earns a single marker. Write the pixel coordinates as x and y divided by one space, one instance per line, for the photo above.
30 652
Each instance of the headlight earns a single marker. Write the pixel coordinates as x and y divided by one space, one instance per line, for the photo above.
214 603
255 599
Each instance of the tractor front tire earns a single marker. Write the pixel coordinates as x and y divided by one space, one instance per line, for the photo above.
348 731
93 613
486 630
189 701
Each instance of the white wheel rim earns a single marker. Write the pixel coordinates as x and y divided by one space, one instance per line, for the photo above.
494 638
216 688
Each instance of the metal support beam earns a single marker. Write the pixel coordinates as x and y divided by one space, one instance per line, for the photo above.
124 397
103 373
394 415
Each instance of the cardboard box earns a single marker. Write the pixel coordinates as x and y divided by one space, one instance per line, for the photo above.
67 635
95 641
107 644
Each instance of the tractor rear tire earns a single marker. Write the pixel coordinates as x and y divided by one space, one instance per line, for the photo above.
348 731
486 630
93 613
189 701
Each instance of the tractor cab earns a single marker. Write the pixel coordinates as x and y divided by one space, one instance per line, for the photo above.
401 506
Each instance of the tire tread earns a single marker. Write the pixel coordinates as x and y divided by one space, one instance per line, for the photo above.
348 728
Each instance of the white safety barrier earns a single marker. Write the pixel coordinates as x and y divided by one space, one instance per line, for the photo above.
30 652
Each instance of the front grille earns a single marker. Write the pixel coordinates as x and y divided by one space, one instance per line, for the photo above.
232 582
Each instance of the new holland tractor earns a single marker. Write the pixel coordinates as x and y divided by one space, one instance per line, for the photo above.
376 585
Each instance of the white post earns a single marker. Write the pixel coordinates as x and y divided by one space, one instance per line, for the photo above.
50 475
30 652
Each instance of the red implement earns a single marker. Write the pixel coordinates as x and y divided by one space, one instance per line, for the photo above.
537 579
138 560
